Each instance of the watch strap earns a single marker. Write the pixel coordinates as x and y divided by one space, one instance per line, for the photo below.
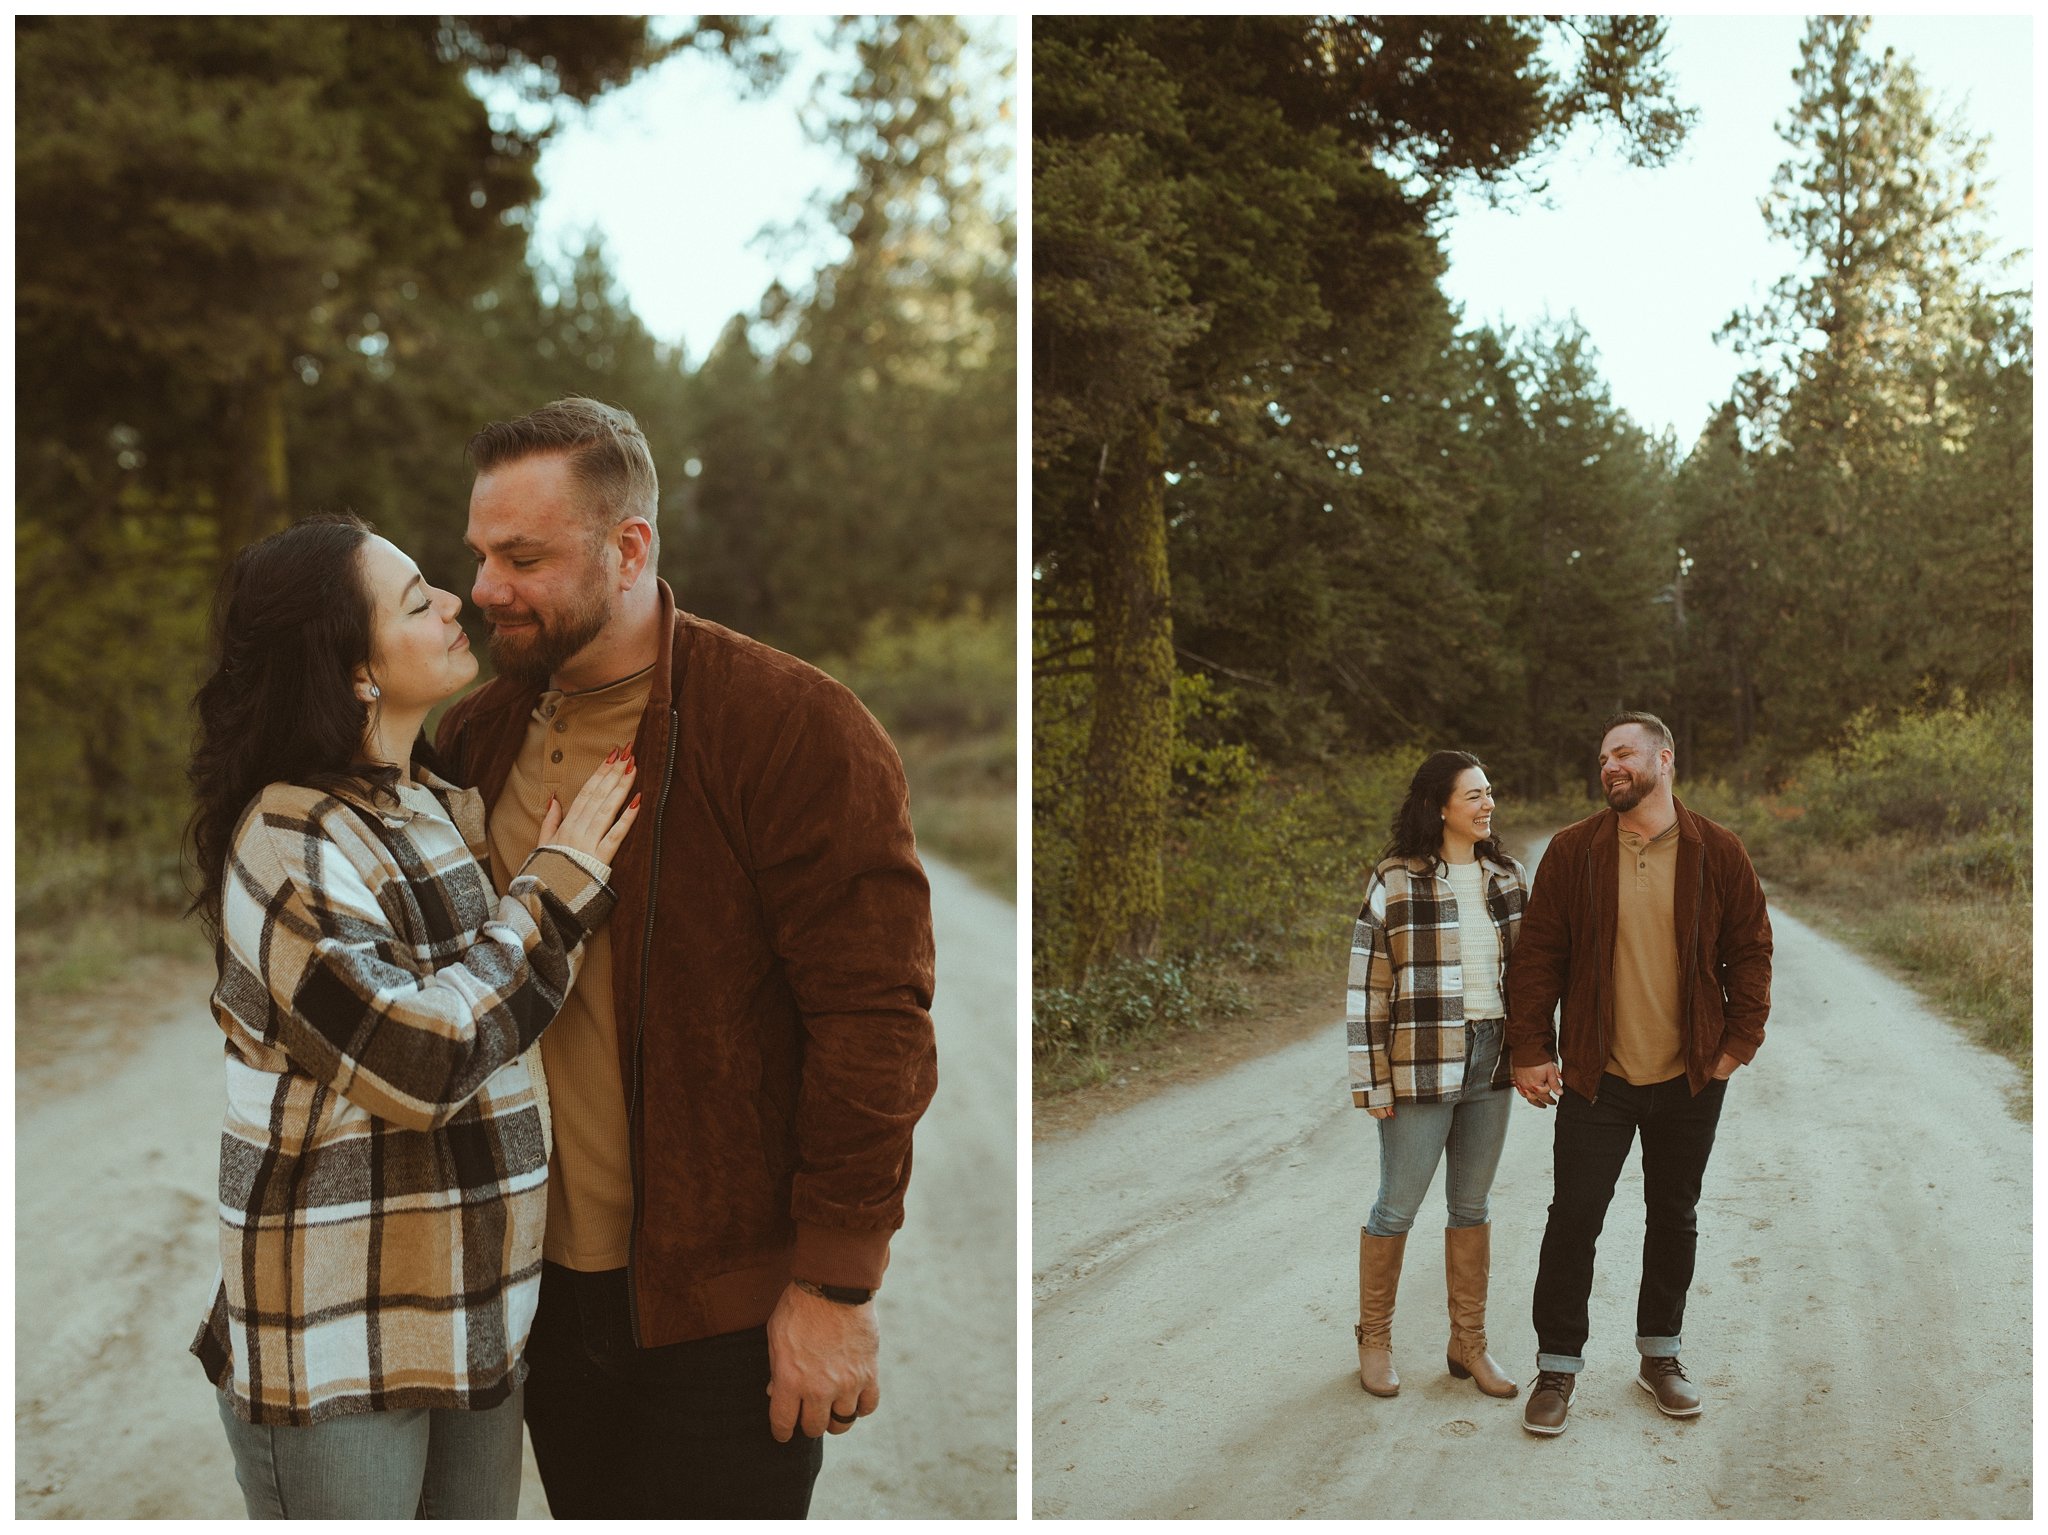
844 1295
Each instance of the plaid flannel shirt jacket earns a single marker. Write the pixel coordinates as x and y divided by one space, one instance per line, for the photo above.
1404 1001
383 1166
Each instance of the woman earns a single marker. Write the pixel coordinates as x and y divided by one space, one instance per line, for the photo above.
1426 1010
384 1160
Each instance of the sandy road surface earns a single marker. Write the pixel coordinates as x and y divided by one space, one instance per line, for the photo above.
1860 1322
115 1148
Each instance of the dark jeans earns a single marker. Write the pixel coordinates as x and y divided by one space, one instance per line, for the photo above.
1591 1142
676 1432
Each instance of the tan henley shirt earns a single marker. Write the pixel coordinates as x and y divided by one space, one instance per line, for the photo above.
590 1180
1648 1045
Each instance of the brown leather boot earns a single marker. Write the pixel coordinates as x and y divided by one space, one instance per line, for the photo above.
1467 1262
1379 1276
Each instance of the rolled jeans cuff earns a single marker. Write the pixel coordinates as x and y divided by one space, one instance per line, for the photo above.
1561 1364
1659 1348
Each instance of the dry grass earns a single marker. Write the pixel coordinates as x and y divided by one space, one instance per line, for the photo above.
963 800
1970 954
96 949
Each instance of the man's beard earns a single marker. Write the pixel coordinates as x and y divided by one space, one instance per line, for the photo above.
534 655
1625 797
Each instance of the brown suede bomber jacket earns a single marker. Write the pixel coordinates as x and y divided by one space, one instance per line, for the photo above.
1566 951
772 976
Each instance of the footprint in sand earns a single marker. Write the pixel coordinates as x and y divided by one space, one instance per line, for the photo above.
1746 1267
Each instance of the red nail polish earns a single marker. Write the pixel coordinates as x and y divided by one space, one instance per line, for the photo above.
634 803
611 756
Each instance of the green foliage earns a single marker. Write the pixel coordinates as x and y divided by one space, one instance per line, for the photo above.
1867 494
956 674
1124 1001
278 265
857 446
1958 768
1238 334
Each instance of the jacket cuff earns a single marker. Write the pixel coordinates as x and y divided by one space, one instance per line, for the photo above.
840 1256
575 879
1534 1052
1742 1046
1372 1097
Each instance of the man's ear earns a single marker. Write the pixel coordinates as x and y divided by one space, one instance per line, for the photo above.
634 539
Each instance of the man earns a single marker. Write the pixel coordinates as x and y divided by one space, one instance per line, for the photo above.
1648 921
736 1074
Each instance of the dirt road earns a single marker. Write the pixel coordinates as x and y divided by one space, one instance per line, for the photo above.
1861 1320
117 1125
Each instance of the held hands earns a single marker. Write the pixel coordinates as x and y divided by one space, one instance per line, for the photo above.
1540 1085
822 1366
595 824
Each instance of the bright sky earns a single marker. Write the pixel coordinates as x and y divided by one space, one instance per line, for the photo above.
682 171
1655 261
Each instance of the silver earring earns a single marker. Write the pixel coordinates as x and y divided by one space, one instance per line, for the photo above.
374 694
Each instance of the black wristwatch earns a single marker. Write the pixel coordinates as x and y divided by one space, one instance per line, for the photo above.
843 1294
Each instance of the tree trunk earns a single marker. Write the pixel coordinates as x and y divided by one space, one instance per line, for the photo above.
1121 894
253 482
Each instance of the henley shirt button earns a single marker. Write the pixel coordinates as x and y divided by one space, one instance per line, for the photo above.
556 757
561 724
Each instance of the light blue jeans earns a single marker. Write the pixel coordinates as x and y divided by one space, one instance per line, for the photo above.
412 1463
1468 1130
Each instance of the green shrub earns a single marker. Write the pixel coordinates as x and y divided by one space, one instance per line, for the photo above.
956 675
1127 1001
1952 769
56 883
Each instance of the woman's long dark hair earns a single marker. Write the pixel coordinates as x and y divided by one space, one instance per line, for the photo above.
1418 826
291 623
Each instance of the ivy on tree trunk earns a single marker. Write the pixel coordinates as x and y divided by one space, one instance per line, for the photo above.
1121 893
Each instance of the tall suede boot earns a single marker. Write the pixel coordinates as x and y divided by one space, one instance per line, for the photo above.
1467 1262
1379 1276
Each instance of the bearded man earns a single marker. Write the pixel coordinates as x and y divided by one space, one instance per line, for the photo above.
1648 922
737 1071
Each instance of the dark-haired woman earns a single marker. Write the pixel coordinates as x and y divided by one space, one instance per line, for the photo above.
384 1160
1426 1015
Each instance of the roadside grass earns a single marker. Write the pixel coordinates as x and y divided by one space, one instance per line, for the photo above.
1969 953
963 802
96 949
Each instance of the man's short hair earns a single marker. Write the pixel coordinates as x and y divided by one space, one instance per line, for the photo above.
1659 731
607 455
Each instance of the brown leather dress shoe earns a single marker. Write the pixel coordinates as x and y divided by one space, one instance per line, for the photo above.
1549 1400
1664 1378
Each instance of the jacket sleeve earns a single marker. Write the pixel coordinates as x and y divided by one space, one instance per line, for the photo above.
1538 963
1369 1002
313 968
849 912
1743 948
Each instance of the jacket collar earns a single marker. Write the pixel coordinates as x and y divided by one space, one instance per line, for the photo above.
501 695
399 813
1607 827
1428 866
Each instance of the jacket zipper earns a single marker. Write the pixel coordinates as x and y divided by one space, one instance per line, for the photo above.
640 1028
1599 1032
1692 963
